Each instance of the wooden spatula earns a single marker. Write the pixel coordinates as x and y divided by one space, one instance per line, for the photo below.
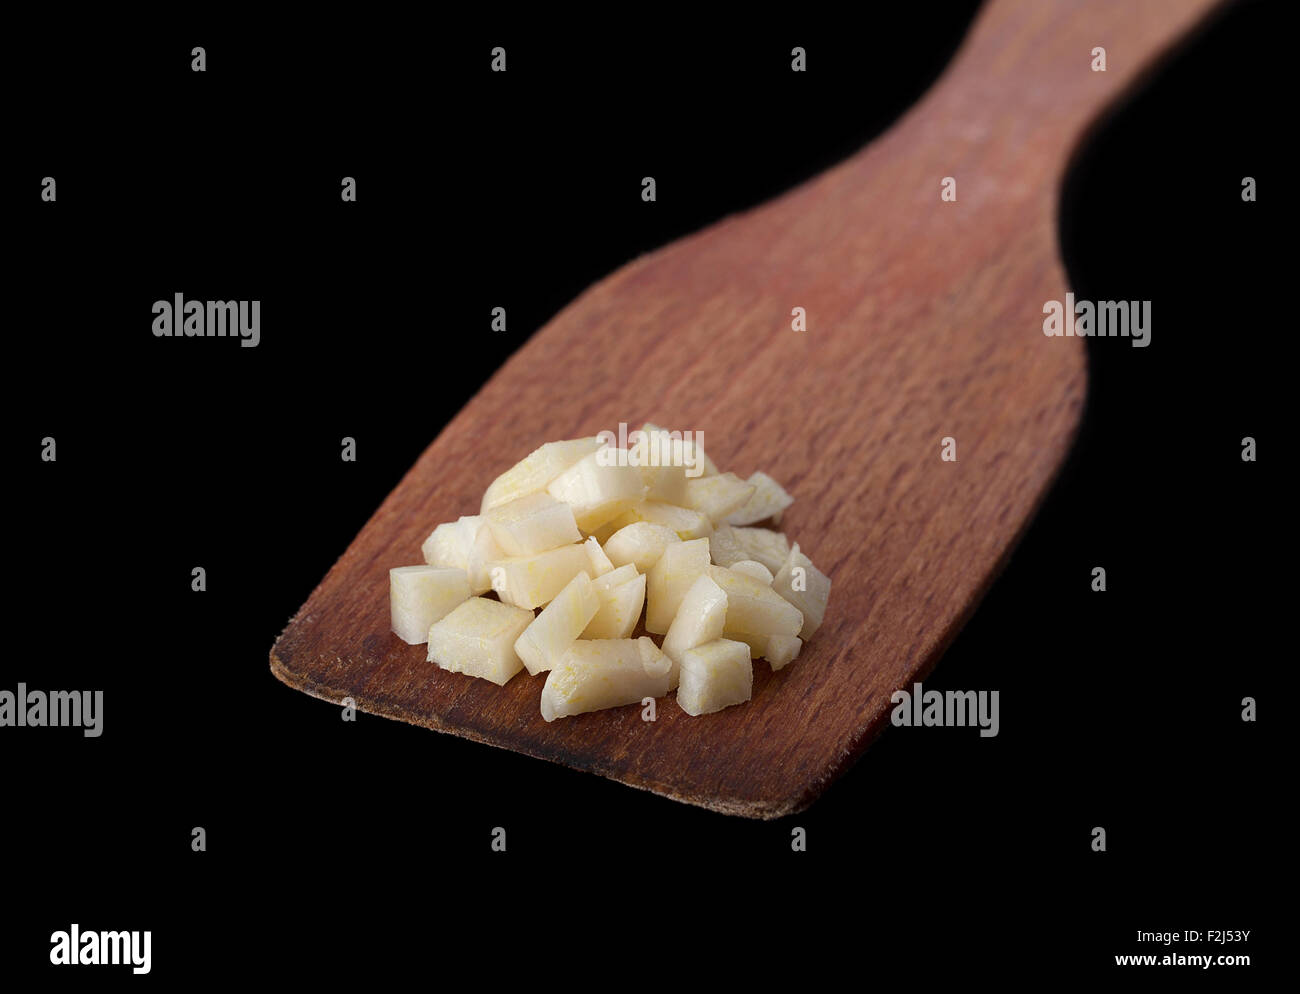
924 323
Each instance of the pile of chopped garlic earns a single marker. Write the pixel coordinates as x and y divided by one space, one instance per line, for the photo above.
597 540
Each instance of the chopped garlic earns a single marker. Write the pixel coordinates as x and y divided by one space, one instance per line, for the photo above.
420 595
596 535
534 473
532 524
753 568
753 606
450 543
717 496
620 609
782 650
615 578
482 555
531 581
665 481
598 488
700 618
545 641
730 544
686 522
804 586
670 578
686 453
714 676
604 673
640 543
769 500
478 639
600 564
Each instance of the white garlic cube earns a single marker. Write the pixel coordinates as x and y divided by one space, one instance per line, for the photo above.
670 578
782 650
600 564
615 578
717 496
688 452
700 618
620 609
599 487
640 543
754 607
769 500
478 639
420 595
686 522
450 543
714 676
531 581
665 480
729 545
806 587
604 673
752 568
545 641
532 524
533 473
482 554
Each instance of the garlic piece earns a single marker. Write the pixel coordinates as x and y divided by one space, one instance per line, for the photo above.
665 480
482 554
451 543
717 496
806 587
753 568
687 523
420 595
545 641
604 673
729 545
478 639
533 473
782 650
700 618
670 578
620 609
769 500
600 564
753 607
685 452
531 581
532 524
714 676
640 543
598 488
615 578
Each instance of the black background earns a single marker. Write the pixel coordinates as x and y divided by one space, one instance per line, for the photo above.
338 846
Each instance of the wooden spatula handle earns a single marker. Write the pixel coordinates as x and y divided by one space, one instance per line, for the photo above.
1022 90
1025 75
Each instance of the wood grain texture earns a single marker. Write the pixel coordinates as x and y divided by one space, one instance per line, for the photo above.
924 320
